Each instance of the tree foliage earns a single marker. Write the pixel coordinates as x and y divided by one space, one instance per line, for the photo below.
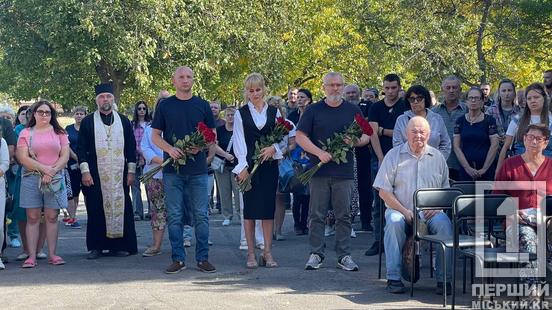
59 49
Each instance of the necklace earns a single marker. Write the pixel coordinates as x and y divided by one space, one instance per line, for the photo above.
107 129
473 120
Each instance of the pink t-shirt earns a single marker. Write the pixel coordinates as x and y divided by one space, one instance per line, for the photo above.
46 145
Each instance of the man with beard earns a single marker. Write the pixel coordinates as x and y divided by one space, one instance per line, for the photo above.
107 157
332 185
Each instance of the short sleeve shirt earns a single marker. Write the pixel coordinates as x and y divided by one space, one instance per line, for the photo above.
386 117
45 145
177 118
402 173
320 122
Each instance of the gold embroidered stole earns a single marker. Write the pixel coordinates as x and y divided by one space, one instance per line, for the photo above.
110 142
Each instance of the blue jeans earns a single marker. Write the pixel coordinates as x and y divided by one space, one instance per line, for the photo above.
395 237
181 192
137 203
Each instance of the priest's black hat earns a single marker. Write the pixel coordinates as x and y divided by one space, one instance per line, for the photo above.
104 88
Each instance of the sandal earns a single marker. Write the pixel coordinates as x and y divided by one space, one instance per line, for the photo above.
56 260
252 264
29 263
267 261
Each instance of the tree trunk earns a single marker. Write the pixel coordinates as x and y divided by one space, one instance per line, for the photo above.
107 74
479 44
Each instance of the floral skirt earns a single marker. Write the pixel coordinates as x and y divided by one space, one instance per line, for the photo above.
156 194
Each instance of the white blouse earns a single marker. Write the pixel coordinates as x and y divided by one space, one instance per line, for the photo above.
240 147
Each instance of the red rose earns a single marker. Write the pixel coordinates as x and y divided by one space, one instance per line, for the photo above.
201 127
288 125
209 136
364 125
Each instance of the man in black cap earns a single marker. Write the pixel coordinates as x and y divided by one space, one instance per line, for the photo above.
107 158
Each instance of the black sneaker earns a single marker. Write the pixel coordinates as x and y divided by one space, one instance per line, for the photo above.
175 267
395 287
205 266
439 289
373 250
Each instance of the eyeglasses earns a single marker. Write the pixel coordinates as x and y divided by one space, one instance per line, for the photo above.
474 98
415 99
43 112
142 109
539 139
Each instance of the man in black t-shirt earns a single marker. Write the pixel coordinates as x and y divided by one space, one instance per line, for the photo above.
382 116
333 183
177 117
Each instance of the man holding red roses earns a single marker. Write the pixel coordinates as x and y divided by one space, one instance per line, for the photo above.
186 187
332 184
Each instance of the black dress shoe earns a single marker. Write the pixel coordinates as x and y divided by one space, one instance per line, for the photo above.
374 249
367 227
94 254
118 253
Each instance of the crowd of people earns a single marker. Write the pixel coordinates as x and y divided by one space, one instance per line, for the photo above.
418 141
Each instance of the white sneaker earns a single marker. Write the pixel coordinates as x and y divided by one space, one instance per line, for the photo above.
329 231
260 246
41 255
226 222
187 243
22 256
243 245
2 267
353 233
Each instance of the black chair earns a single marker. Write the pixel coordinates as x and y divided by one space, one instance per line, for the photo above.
431 199
439 199
465 210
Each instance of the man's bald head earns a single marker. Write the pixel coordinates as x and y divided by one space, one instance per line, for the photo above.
183 80
183 69
417 133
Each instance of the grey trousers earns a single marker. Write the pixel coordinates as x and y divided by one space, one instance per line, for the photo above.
229 192
326 191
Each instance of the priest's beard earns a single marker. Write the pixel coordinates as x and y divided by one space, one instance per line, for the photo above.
107 107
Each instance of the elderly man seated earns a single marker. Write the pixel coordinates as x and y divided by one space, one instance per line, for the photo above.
406 168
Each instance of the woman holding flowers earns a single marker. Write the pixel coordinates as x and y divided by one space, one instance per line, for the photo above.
253 124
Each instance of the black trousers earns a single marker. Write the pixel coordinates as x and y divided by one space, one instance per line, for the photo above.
300 210
365 193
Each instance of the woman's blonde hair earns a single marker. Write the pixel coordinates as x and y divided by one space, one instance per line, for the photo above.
251 81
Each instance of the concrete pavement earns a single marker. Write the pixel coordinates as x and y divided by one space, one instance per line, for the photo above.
136 282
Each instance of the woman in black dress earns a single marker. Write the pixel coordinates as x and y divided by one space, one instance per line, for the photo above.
251 122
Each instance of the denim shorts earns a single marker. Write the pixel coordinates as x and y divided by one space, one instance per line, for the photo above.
32 197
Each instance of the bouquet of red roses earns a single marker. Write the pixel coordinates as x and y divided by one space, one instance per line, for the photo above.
200 139
281 130
337 145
